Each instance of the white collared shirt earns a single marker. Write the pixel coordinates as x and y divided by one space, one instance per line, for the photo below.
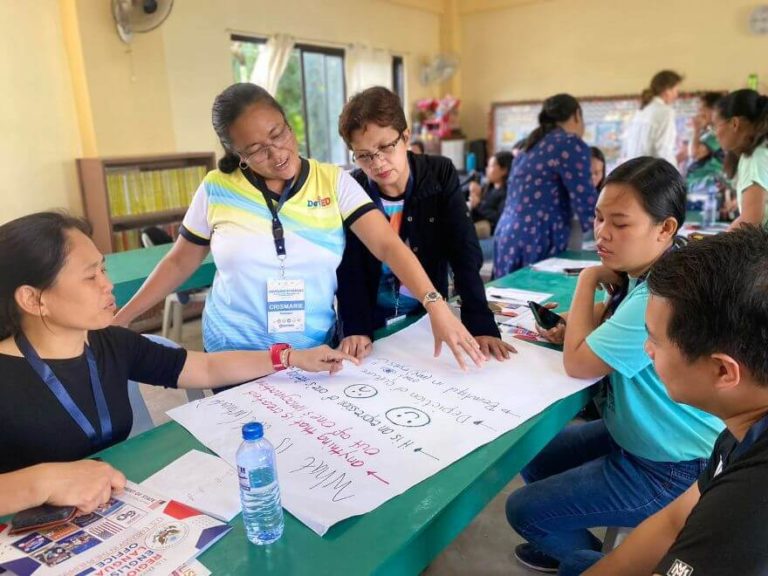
652 132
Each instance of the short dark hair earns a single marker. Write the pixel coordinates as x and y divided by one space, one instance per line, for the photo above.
418 144
376 105
596 154
33 249
227 108
504 159
710 99
718 291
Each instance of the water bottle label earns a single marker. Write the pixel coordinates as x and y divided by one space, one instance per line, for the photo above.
256 478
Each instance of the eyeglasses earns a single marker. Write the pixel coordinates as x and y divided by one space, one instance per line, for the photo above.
385 151
261 152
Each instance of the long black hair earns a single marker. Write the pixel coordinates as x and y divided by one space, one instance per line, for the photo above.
750 105
227 108
33 249
661 190
555 110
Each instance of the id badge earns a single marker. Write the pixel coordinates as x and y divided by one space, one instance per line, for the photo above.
285 305
394 319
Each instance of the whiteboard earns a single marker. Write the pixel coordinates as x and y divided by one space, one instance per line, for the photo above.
606 119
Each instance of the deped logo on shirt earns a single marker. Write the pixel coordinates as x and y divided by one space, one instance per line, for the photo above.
320 203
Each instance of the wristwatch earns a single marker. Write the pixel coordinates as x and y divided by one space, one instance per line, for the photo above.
431 297
278 355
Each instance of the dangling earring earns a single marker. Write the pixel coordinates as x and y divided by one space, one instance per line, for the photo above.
243 165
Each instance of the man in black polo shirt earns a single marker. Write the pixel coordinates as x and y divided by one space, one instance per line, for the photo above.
707 324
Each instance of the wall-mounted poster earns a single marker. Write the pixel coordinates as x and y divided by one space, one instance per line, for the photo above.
606 119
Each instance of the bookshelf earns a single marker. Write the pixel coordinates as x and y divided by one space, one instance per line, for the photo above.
123 195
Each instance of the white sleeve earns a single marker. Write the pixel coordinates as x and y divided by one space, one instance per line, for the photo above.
353 200
665 137
196 220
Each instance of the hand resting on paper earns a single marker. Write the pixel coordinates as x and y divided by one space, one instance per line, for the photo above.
357 346
319 359
85 484
496 347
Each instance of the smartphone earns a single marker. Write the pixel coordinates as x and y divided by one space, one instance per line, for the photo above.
572 271
544 316
45 516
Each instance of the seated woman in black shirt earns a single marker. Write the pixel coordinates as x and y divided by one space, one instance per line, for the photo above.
487 201
64 369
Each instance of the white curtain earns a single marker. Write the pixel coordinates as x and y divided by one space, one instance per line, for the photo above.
273 58
365 67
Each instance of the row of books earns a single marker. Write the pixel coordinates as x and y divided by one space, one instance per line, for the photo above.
134 191
131 239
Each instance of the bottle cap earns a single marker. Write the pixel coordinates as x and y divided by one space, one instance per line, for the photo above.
253 431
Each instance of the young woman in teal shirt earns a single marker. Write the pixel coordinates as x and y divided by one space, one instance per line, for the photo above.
646 450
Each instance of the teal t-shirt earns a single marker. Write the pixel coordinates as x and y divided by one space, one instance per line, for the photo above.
753 170
638 412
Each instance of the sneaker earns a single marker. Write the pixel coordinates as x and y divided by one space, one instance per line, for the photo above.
531 558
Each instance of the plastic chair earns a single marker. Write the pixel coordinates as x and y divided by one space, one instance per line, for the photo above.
614 535
142 420
173 311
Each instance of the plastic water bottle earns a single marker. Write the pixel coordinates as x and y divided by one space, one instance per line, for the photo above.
259 491
709 214
471 162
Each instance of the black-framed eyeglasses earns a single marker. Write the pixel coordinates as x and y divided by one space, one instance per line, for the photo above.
261 152
384 151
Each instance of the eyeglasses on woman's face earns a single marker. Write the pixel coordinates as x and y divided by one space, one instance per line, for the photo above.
258 153
385 151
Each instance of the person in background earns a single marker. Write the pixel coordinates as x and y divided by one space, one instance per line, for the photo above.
550 183
421 199
597 167
647 449
706 320
741 126
707 167
702 122
416 146
652 131
276 225
487 201
64 370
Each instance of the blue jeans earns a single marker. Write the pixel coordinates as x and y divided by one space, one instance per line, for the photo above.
582 479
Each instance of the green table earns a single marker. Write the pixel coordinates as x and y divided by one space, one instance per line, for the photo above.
403 535
129 269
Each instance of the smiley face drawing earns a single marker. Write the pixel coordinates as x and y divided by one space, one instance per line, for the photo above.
360 391
408 417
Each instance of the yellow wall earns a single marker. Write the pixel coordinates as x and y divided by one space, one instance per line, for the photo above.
603 47
127 85
72 88
39 136
197 46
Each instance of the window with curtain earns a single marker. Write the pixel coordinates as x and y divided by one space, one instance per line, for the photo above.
311 90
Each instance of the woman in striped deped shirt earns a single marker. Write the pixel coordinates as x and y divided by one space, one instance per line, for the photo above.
275 224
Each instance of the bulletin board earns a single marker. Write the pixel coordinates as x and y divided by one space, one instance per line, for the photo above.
606 119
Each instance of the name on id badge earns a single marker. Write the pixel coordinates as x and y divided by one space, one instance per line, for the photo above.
285 306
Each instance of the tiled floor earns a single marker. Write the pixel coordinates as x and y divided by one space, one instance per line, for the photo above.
483 549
